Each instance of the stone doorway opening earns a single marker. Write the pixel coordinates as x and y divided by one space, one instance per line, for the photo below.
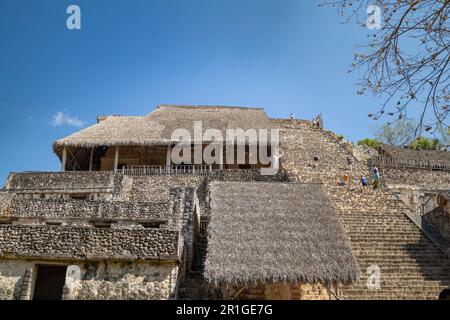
50 282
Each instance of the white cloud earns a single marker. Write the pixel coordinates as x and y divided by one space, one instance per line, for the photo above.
61 118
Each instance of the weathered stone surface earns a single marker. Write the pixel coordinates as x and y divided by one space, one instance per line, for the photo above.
81 209
381 233
418 179
88 243
98 280
62 181
439 219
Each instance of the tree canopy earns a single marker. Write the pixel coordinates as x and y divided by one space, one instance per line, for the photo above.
406 59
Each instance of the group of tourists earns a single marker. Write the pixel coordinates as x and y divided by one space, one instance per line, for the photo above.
376 176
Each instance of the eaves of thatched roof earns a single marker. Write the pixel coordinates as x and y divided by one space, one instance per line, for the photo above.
273 232
157 127
406 153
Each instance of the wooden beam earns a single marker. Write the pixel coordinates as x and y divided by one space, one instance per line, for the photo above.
91 159
221 157
116 159
168 156
64 159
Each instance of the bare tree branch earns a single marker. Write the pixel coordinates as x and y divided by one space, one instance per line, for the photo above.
406 61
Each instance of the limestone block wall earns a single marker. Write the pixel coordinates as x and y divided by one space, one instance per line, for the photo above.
12 274
65 195
61 181
419 179
81 242
95 280
279 291
156 188
248 175
81 209
439 219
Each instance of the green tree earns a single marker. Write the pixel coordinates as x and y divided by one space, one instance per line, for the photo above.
373 143
424 143
444 135
399 134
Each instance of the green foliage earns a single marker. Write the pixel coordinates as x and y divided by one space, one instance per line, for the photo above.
423 143
340 137
373 143
398 134
444 134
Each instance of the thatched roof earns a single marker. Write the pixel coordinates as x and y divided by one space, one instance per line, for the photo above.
157 127
405 153
263 232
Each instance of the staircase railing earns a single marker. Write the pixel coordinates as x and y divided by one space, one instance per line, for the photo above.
203 170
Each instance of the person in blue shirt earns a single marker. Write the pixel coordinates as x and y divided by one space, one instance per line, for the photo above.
364 181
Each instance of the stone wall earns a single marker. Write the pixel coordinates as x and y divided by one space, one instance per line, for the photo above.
62 181
81 209
248 175
96 280
419 179
439 219
156 188
92 243
279 291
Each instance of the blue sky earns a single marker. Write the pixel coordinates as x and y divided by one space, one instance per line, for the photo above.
283 55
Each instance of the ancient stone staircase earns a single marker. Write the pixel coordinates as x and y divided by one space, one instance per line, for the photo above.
411 266
194 286
376 221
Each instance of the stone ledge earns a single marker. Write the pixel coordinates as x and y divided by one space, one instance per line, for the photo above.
62 181
84 209
78 243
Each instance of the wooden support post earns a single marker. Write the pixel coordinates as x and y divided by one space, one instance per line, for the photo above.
91 159
221 158
64 160
116 159
169 158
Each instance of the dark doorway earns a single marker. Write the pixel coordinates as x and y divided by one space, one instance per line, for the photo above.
49 282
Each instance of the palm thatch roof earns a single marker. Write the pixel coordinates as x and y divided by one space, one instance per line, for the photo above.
406 153
273 232
157 127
